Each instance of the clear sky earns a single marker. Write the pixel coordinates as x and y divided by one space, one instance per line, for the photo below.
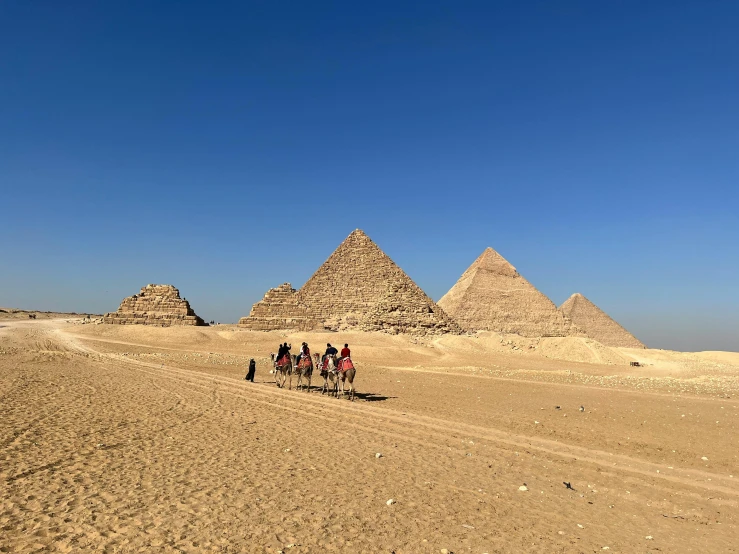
227 147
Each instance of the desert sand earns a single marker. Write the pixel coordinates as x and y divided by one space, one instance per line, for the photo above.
133 438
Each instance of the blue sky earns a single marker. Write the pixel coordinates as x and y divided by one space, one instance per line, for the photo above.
228 147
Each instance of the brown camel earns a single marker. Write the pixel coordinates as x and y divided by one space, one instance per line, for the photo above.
304 369
344 376
283 371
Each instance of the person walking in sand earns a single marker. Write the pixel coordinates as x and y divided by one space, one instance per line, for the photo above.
252 370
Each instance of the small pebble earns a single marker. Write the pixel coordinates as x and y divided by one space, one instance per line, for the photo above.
649 537
378 455
390 502
523 488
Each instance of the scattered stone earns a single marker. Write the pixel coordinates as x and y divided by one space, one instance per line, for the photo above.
390 502
704 459
649 537
378 455
582 408
523 488
580 526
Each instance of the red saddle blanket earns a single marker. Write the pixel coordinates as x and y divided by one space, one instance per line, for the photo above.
283 361
345 364
305 362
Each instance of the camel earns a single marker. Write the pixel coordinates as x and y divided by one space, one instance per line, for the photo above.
304 369
282 372
347 375
329 373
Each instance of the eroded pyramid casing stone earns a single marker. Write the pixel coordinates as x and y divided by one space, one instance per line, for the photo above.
358 287
492 296
597 324
158 305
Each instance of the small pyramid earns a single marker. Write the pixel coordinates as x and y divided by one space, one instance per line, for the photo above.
359 287
158 305
596 324
492 296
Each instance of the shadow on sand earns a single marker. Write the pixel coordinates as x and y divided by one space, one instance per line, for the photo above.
371 396
366 396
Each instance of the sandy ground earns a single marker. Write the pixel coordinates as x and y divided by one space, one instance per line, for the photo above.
130 439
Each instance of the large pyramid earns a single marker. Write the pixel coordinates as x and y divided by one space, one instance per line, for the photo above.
359 287
159 305
596 324
492 296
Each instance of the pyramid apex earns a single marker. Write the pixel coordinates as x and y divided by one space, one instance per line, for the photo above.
490 260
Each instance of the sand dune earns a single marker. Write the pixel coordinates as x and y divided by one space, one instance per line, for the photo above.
129 439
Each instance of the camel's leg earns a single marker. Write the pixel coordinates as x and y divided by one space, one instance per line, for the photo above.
290 387
310 375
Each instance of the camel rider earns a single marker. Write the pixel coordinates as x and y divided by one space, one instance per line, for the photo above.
306 351
345 352
284 350
330 351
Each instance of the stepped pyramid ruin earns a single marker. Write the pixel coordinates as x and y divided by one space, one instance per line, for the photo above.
596 324
492 296
154 305
358 287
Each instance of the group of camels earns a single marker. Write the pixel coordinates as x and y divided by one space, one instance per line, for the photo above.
304 370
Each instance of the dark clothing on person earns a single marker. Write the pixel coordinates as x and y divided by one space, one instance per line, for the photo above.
283 351
252 371
331 351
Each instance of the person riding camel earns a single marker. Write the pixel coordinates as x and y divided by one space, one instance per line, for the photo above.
304 353
345 352
330 351
284 350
